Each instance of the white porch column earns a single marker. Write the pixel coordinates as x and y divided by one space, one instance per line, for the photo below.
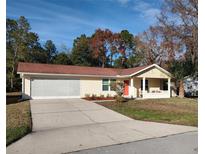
169 87
143 87
132 88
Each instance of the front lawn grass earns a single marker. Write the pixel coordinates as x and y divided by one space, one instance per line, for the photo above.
18 121
181 111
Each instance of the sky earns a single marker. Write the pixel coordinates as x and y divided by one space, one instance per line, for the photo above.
63 20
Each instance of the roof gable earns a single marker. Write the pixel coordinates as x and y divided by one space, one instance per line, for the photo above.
153 71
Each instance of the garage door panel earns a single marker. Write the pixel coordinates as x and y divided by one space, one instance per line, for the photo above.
55 87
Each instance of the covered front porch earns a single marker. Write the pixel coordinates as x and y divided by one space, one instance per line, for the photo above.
153 82
142 87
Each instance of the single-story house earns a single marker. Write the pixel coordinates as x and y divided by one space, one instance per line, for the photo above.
41 81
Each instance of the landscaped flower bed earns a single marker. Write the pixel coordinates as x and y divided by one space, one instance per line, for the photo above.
99 98
95 97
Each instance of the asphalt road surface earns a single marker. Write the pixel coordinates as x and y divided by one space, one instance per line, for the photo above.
185 143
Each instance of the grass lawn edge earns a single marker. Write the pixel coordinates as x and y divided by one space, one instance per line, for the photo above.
17 132
173 111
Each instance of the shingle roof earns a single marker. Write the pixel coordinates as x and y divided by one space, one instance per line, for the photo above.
76 70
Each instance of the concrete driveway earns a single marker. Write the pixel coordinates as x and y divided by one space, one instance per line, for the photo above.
66 125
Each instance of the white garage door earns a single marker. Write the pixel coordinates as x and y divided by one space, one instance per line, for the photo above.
55 88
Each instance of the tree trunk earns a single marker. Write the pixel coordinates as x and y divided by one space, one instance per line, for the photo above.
103 64
111 59
13 68
181 89
11 82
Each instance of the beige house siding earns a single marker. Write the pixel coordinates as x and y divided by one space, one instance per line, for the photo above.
154 84
26 87
153 73
93 86
138 86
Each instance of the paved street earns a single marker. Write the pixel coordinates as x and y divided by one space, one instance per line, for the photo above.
175 144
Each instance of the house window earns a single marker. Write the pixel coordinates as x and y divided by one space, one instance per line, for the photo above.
106 84
146 85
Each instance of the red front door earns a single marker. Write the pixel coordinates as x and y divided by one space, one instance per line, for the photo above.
126 87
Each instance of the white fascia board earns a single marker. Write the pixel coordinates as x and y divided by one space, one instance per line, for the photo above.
21 75
72 75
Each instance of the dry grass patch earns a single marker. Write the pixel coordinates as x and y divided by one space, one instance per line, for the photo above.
173 110
18 121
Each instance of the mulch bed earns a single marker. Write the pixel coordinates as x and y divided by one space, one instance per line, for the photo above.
99 98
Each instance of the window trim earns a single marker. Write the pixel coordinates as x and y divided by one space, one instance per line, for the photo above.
105 85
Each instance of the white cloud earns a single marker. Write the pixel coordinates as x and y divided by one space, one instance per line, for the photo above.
141 6
146 10
152 12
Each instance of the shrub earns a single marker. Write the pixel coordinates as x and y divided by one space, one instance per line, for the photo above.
119 89
115 96
102 96
120 99
108 95
94 96
87 95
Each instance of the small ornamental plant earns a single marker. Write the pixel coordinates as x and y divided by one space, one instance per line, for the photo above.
118 87
87 95
102 96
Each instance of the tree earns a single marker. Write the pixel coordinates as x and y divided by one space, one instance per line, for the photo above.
62 58
81 53
125 47
179 21
20 42
50 50
178 24
134 59
107 46
37 55
181 69
99 43
148 44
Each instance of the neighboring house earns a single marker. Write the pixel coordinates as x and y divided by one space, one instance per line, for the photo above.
66 81
191 86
